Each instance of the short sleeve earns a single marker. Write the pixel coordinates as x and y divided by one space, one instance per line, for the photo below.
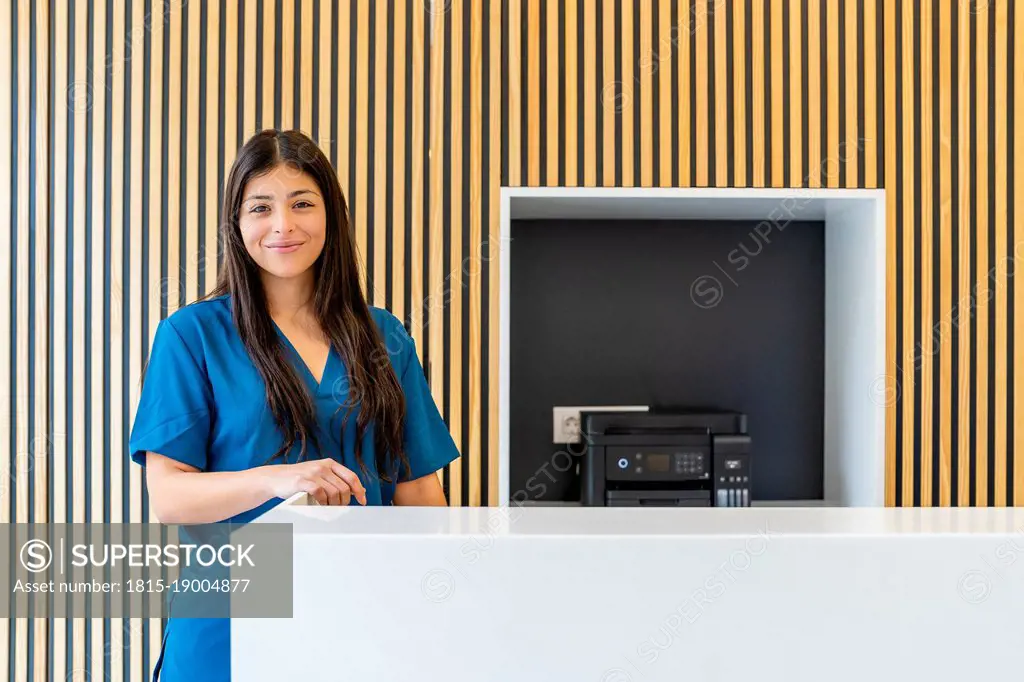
173 416
428 443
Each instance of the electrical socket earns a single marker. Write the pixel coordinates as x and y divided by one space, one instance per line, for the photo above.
567 420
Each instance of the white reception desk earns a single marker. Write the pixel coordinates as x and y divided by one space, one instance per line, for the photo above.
610 595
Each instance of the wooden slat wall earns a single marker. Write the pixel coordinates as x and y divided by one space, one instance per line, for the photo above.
115 157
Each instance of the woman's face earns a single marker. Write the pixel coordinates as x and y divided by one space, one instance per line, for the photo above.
283 221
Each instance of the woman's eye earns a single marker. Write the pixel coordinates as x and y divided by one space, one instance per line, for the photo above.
258 209
303 204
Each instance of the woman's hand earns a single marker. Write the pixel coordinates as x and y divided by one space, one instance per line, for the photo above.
327 481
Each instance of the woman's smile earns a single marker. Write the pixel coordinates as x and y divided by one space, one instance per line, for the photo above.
284 246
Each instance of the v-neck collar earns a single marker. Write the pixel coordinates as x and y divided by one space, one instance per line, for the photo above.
297 359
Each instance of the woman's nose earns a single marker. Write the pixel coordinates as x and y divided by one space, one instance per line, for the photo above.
283 221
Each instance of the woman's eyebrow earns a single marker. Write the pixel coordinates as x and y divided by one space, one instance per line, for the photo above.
291 194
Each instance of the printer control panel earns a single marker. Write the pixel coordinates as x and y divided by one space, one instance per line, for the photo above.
659 463
732 480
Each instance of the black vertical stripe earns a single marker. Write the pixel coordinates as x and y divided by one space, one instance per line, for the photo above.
314 29
823 160
389 120
748 80
542 92
990 276
581 93
783 89
425 189
843 151
257 40
972 257
332 85
692 9
768 98
297 46
713 95
562 57
88 313
278 12
804 75
370 209
524 94
938 340
635 95
656 64
353 61
1011 240
674 57
957 225
602 96
620 96
504 95
180 277
899 243
12 300
862 142
916 455
730 96
203 162
407 179
30 208
880 76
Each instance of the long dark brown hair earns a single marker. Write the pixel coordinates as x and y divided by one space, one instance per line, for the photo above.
338 305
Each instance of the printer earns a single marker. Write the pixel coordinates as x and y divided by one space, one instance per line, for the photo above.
691 458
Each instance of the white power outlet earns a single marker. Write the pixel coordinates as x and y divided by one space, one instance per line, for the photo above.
567 424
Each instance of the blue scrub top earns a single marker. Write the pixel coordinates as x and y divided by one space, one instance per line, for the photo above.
204 403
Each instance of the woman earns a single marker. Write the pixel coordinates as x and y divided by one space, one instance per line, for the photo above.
283 380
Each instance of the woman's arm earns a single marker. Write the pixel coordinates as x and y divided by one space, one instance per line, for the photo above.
425 491
180 493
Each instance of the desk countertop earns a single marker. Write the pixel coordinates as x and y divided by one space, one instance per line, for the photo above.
633 522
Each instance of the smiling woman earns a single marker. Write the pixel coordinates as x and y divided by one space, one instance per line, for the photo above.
283 380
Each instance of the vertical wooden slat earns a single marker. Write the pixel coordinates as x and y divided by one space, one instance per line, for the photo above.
646 98
926 180
894 381
494 243
418 188
965 286
23 465
614 95
853 142
721 98
629 93
757 47
135 322
248 67
398 163
515 97
533 97
117 284
208 266
778 152
814 169
472 267
435 274
325 88
701 146
266 49
1018 281
6 399
61 118
192 190
306 57
908 358
380 159
590 96
834 154
983 276
796 85
455 230
685 35
175 271
157 133
1001 265
287 20
343 134
571 112
740 45
664 65
98 413
358 204
871 95
552 113
945 390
